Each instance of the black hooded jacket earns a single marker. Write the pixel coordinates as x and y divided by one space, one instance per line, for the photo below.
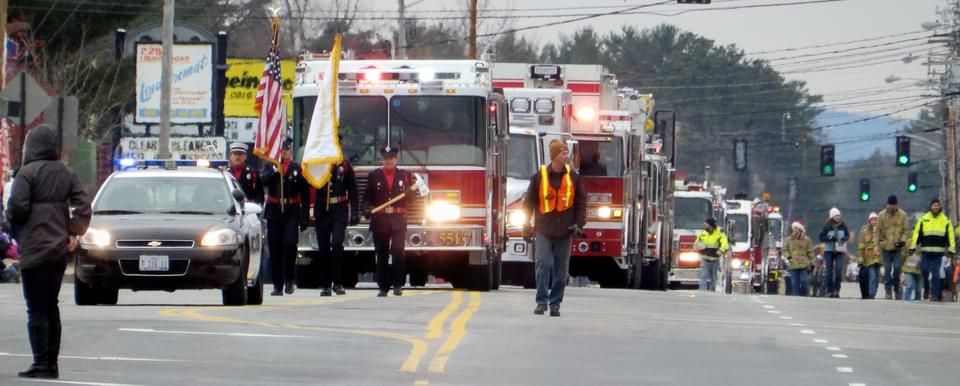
44 191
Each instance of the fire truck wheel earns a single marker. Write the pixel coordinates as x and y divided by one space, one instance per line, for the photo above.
615 278
528 276
636 273
480 277
497 273
308 271
418 278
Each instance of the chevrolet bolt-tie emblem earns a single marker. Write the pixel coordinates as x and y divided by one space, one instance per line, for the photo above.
155 243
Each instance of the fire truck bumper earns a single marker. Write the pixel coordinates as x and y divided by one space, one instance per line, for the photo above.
685 275
449 238
518 251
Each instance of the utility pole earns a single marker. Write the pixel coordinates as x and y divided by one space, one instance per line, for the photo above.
166 80
472 53
402 31
3 30
950 134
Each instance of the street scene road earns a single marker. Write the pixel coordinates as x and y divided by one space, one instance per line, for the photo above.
439 336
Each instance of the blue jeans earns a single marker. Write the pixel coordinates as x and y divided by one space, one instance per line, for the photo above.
798 282
930 266
892 268
912 285
834 267
708 274
873 279
553 267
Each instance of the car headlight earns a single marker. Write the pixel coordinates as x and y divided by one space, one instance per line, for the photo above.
736 263
689 257
96 238
516 218
442 211
219 237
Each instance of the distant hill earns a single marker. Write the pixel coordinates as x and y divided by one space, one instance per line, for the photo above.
863 147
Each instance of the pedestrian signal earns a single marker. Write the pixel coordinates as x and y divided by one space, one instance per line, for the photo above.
912 185
827 160
864 190
903 150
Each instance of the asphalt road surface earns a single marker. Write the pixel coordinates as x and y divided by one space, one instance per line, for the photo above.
437 336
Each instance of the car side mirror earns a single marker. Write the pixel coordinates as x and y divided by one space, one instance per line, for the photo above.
239 195
252 208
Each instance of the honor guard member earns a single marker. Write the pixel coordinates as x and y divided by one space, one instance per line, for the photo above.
285 216
335 206
248 178
389 225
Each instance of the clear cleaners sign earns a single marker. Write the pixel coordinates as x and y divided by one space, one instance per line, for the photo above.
146 148
191 99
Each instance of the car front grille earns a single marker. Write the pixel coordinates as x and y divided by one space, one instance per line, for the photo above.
155 243
415 208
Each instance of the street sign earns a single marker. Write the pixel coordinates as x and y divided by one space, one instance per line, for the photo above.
63 115
36 101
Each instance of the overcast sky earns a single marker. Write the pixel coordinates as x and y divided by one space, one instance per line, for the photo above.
761 29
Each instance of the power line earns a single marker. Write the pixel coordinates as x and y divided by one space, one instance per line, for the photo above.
875 38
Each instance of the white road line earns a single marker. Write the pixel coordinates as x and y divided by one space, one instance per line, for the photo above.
119 359
833 348
858 384
844 369
769 307
786 317
74 382
808 332
773 312
821 341
240 334
840 356
796 324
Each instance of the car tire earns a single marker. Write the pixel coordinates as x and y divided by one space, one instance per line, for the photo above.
109 296
235 294
84 294
255 292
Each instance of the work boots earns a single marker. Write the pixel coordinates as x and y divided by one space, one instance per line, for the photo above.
338 289
898 293
39 334
326 292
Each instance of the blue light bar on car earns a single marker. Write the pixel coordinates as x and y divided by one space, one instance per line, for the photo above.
129 163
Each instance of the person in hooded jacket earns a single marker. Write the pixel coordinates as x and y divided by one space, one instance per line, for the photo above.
834 237
44 193
868 256
798 249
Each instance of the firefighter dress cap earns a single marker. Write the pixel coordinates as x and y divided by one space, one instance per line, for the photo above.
287 144
388 151
238 147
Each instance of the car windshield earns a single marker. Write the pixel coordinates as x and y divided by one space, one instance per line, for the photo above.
691 212
438 130
776 229
175 195
521 156
737 229
363 125
601 158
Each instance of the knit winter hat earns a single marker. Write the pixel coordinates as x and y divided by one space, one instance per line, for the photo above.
711 222
556 147
834 212
892 200
872 216
798 226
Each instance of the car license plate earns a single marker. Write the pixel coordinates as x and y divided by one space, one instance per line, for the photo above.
454 238
154 263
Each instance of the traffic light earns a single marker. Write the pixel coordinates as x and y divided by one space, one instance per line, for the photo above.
826 160
864 190
912 182
903 150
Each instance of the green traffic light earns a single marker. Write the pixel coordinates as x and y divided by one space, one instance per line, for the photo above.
828 169
864 196
903 160
912 188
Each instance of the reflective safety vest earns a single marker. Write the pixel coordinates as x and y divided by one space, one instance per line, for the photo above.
934 234
714 244
555 199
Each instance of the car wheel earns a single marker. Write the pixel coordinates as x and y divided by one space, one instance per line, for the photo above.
109 296
236 293
255 292
84 294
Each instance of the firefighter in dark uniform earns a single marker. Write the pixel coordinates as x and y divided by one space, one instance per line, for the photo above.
389 226
335 206
248 178
286 216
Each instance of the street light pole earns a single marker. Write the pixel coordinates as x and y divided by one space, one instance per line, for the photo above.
783 126
166 80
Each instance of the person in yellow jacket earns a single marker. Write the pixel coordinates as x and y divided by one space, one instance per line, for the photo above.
933 234
912 282
798 250
711 243
868 256
893 232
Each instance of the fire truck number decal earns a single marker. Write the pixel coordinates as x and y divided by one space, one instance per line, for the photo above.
455 238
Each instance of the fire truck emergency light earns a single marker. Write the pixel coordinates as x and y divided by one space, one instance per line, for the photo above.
585 114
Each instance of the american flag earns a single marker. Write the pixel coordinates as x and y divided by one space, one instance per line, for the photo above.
269 103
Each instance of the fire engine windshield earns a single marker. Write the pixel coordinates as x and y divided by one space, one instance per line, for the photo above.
602 157
363 125
438 130
737 228
691 212
776 229
521 156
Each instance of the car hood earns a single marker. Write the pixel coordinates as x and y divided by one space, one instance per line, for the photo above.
160 227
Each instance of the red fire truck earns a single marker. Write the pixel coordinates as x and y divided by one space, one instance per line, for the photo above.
450 128
693 203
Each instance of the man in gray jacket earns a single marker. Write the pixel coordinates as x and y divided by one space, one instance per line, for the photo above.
558 203
39 210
